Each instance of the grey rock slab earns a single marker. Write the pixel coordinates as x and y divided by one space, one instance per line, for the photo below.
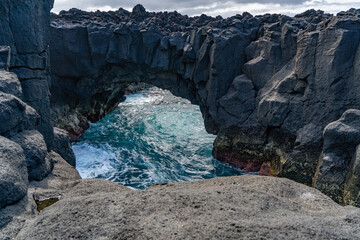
340 141
63 147
13 173
15 115
245 207
10 84
14 217
39 164
25 28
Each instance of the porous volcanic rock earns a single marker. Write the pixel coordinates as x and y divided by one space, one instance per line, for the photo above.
63 147
13 173
24 28
9 83
245 207
14 217
267 85
39 163
16 115
338 171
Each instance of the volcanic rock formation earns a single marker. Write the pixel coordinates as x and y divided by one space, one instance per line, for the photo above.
244 207
26 132
266 85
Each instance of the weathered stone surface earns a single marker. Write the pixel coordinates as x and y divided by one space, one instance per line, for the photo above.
63 147
39 163
10 84
13 218
13 173
245 207
352 184
272 81
338 164
302 162
5 57
25 29
15 115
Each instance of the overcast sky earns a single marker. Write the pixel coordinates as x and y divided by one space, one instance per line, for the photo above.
213 7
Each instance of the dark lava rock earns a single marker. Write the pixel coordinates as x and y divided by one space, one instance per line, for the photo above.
39 163
264 83
138 12
25 30
15 115
62 146
339 168
13 173
10 84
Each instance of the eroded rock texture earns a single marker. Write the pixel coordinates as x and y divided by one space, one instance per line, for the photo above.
24 28
24 98
338 172
266 85
13 173
39 163
244 207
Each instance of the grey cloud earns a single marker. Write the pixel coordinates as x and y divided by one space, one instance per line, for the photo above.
156 5
212 7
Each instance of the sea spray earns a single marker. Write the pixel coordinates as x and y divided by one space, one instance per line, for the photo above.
152 137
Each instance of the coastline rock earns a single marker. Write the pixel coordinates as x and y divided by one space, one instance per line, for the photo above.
339 160
25 30
352 184
13 173
62 146
239 207
39 163
14 217
15 115
10 84
262 82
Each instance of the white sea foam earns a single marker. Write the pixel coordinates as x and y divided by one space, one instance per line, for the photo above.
92 161
152 137
307 195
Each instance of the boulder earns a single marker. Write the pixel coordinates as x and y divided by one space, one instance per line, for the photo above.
352 184
13 173
63 147
15 115
39 163
10 84
138 11
339 157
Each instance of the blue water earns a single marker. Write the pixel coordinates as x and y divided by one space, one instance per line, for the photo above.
152 137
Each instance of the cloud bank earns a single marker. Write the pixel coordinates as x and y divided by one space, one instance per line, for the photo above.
213 7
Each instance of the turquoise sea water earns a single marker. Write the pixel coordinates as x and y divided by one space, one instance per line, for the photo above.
152 137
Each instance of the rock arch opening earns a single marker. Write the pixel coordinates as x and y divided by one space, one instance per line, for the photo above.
152 137
263 83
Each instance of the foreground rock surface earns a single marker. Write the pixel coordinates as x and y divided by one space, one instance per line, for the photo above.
244 207
13 173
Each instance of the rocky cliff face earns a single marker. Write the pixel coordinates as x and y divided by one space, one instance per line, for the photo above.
26 132
25 30
266 85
